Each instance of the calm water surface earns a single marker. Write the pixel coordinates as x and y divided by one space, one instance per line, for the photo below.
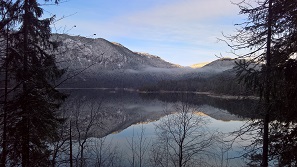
130 117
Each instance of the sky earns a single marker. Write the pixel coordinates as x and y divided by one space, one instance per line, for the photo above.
183 32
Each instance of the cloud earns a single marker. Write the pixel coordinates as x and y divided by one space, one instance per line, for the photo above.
177 20
184 11
176 28
181 20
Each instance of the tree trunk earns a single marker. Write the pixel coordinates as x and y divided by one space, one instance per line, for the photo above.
4 135
267 90
180 156
25 134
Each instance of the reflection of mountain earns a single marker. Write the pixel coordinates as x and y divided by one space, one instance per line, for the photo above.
217 113
243 108
121 109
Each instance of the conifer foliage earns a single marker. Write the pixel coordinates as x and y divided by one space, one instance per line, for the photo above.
29 70
270 33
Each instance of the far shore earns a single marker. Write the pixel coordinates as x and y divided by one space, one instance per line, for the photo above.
210 94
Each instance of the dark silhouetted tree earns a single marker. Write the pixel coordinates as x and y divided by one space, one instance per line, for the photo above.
183 139
31 120
270 36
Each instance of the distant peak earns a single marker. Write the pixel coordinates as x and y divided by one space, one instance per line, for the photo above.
198 65
221 60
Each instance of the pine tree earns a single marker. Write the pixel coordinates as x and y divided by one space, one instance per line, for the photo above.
270 32
7 16
32 119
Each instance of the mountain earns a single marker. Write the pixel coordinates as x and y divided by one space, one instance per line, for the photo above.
104 54
217 77
100 63
220 65
206 70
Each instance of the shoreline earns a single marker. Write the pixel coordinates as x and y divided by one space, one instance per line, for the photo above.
210 94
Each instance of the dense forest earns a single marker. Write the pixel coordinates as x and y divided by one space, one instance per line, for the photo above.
223 83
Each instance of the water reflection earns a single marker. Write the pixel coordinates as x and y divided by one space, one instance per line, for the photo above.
222 154
128 121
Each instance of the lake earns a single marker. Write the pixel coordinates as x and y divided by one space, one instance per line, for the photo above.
126 128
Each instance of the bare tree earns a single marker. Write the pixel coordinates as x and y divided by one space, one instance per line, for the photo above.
182 136
106 153
62 144
85 122
139 146
80 142
82 121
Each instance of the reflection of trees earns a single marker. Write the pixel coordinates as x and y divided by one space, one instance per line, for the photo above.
282 142
181 138
241 107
